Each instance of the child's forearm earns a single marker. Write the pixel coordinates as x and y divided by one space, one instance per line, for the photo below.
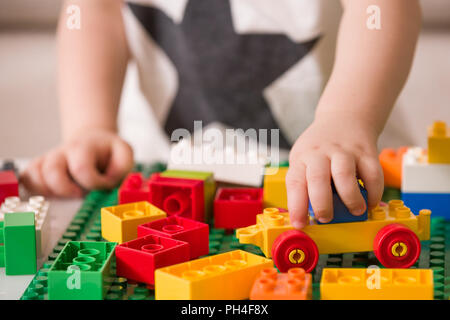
371 66
92 65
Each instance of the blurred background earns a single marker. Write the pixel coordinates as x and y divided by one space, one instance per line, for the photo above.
28 101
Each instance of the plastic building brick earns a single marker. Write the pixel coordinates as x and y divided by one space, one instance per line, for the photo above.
376 284
340 212
237 207
228 165
119 223
425 185
9 185
224 276
134 189
209 185
296 284
138 259
19 236
392 194
193 232
391 162
275 187
419 176
80 271
393 232
438 203
181 197
439 143
40 207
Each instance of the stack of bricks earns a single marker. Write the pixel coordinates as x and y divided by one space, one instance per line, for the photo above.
426 176
165 227
40 206
185 193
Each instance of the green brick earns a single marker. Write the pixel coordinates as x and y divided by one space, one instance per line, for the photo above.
391 194
20 243
64 283
209 185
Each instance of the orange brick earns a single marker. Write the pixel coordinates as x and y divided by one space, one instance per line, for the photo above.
391 162
296 284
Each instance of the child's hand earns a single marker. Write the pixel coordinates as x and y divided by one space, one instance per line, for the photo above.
93 159
338 149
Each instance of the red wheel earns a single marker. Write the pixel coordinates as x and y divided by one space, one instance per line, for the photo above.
396 246
294 249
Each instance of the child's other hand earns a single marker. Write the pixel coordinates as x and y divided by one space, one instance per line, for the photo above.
338 149
94 159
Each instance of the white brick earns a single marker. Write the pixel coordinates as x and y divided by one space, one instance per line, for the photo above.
227 164
419 176
40 207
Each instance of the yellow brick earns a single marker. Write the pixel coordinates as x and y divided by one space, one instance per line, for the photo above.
119 223
224 276
337 237
376 284
439 143
275 187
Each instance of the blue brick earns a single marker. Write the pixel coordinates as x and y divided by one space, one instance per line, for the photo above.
438 203
340 212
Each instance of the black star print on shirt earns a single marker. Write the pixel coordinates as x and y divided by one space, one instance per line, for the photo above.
221 74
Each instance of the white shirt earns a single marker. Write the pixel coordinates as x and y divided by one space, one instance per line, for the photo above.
159 32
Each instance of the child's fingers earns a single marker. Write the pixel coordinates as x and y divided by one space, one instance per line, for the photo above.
318 177
371 174
32 178
343 171
297 195
121 160
56 175
82 163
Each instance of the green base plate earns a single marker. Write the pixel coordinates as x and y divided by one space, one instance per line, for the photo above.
85 225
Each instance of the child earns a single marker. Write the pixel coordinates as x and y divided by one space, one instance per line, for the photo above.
232 68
